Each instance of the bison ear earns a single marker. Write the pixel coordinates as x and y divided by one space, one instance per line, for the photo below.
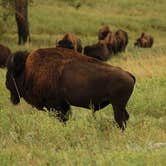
18 62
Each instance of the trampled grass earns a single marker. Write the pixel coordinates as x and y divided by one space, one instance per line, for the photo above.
31 137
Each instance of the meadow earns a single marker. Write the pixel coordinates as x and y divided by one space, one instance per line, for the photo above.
32 137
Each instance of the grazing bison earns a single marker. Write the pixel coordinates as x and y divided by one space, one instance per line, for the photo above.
56 78
4 54
111 43
122 40
98 51
103 32
70 41
144 41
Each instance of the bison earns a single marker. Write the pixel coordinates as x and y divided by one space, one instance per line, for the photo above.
103 31
111 43
70 41
144 41
122 39
56 78
4 54
98 51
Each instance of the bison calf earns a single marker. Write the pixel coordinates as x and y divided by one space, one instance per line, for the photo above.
70 41
56 78
4 54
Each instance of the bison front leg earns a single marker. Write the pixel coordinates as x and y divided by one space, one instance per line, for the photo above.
63 111
63 115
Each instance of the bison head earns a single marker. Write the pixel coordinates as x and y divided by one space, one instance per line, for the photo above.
137 43
15 68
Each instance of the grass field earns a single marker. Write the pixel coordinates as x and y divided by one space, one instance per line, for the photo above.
31 137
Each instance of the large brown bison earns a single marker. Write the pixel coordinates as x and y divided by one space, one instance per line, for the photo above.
144 41
98 51
103 31
55 78
70 41
122 39
4 54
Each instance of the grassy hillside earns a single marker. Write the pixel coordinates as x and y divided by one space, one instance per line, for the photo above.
31 137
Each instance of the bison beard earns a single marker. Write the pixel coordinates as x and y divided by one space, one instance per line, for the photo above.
56 78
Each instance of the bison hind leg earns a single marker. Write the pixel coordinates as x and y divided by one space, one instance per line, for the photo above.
121 116
125 117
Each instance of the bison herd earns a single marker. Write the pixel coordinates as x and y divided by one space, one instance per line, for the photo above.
60 77
109 43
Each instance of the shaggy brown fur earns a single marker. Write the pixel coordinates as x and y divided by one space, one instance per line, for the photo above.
122 40
70 41
144 41
103 31
56 78
4 54
98 51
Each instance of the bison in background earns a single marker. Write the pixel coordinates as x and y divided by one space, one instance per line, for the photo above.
111 43
103 31
144 41
55 78
4 54
70 41
122 40
98 51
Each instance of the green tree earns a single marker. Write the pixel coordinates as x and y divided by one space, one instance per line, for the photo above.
21 15
19 8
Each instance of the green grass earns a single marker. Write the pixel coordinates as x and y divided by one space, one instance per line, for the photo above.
31 137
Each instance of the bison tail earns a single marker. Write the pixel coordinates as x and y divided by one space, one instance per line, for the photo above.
133 78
